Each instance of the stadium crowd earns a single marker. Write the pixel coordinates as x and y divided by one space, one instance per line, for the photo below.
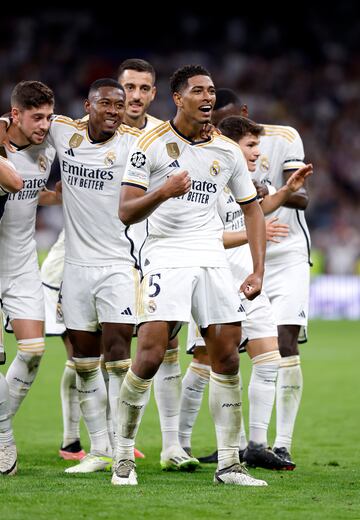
314 88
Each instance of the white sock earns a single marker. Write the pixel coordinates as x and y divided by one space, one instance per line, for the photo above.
70 404
167 391
225 408
6 432
93 398
243 440
288 396
116 372
22 371
193 385
109 420
133 398
261 392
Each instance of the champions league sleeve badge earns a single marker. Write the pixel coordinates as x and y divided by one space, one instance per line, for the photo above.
138 159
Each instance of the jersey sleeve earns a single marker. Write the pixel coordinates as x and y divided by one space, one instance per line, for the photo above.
240 182
294 157
138 167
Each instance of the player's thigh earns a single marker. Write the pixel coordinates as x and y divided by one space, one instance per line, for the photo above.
288 290
77 297
23 297
165 295
115 294
215 299
259 329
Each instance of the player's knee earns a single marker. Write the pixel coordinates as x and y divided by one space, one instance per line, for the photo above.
201 356
150 358
226 363
288 350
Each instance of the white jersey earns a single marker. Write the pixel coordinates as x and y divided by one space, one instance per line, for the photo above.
239 258
138 231
281 151
187 231
17 227
53 266
91 179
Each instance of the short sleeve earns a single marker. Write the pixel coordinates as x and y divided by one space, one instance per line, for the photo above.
294 158
240 182
137 170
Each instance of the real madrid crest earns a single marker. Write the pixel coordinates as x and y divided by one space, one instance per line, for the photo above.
110 159
151 306
264 164
75 141
215 168
172 150
42 163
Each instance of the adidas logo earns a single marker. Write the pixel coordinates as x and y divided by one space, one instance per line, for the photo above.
302 314
230 199
70 151
174 164
241 309
147 262
127 312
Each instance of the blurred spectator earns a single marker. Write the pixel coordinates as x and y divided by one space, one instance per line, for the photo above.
309 80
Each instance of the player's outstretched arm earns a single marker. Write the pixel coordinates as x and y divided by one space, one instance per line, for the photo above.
283 195
274 230
10 180
136 205
255 230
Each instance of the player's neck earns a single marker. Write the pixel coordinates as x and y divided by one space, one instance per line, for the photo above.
16 136
97 136
189 129
136 122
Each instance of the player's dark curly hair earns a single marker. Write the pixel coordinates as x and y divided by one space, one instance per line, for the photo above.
105 82
180 77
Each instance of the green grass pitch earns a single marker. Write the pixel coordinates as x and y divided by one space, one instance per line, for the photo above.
326 449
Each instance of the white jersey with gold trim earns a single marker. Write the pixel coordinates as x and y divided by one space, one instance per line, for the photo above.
138 231
281 151
239 258
187 231
17 227
91 177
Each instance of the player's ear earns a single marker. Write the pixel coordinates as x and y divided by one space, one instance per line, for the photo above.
87 106
177 99
15 112
244 111
153 92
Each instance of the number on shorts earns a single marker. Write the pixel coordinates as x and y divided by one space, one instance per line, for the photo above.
155 285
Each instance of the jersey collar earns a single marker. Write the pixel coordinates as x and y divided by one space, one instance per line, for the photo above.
184 138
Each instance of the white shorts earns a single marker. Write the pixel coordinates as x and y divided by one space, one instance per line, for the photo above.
208 293
22 297
288 290
259 323
53 325
94 295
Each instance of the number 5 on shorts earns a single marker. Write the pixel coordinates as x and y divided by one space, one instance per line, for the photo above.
155 285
